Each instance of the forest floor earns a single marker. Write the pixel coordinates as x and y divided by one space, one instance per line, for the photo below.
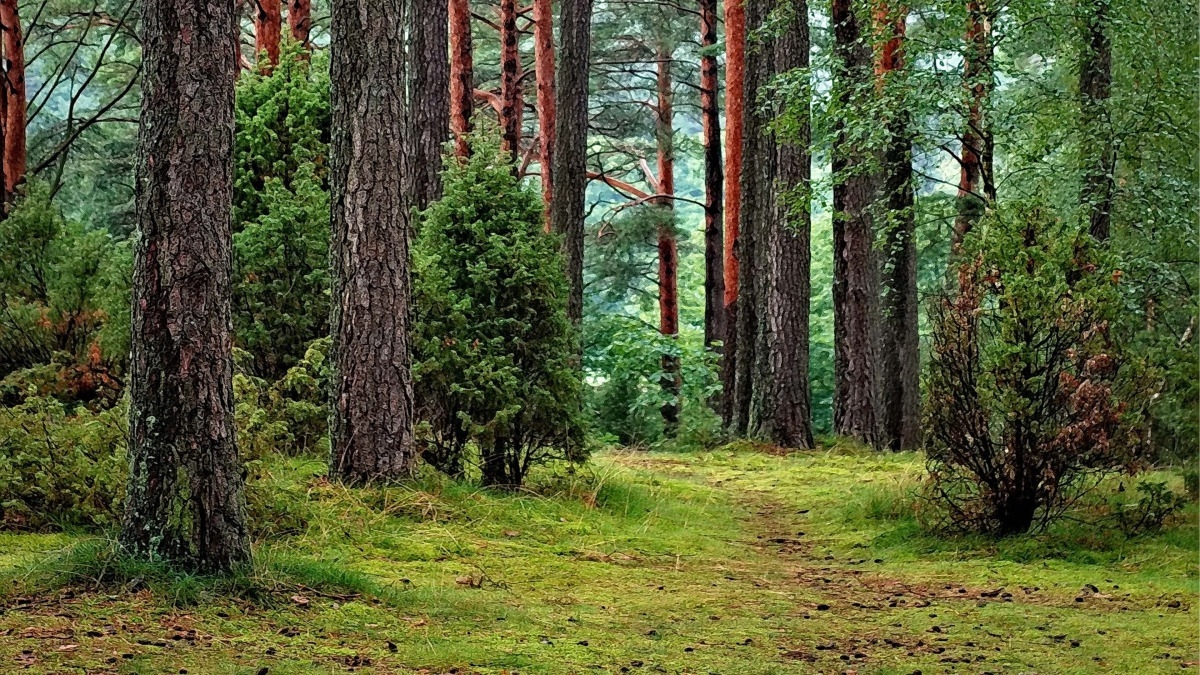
733 561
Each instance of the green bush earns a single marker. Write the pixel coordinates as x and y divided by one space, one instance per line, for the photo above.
60 469
495 360
281 212
1030 394
289 416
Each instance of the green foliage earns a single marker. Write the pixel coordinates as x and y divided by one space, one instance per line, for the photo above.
288 416
494 360
1029 389
281 212
65 296
1155 506
60 469
624 394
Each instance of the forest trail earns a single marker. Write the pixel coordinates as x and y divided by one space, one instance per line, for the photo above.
733 561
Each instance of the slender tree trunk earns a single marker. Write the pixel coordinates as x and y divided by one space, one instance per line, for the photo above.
14 118
1100 153
710 114
462 75
543 39
855 274
268 25
510 80
790 259
735 72
371 430
300 21
668 257
428 97
752 413
184 501
570 142
5 194
900 346
976 187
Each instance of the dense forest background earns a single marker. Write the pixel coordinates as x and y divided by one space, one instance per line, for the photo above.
65 244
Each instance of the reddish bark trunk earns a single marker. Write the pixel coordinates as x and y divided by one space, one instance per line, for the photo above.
975 186
300 21
710 113
735 72
462 74
543 40
510 80
668 257
268 24
14 117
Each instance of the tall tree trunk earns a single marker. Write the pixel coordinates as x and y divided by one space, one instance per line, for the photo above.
790 259
428 97
268 25
462 75
710 114
184 500
570 142
735 73
976 187
371 430
510 80
668 257
1099 150
300 21
900 346
855 273
5 194
543 41
752 413
14 118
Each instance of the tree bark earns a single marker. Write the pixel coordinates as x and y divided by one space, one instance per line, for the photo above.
462 75
900 346
268 25
710 114
300 21
371 429
510 80
184 501
14 118
570 142
428 98
668 257
543 39
855 274
790 254
1099 150
976 187
752 407
735 71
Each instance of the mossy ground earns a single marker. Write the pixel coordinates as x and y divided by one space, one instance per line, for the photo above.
734 561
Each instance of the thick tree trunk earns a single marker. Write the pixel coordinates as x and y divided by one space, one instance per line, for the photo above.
790 260
184 501
1099 151
570 142
668 257
371 430
428 98
300 21
976 187
735 72
462 75
543 41
14 117
855 273
268 26
710 114
510 80
899 347
752 407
